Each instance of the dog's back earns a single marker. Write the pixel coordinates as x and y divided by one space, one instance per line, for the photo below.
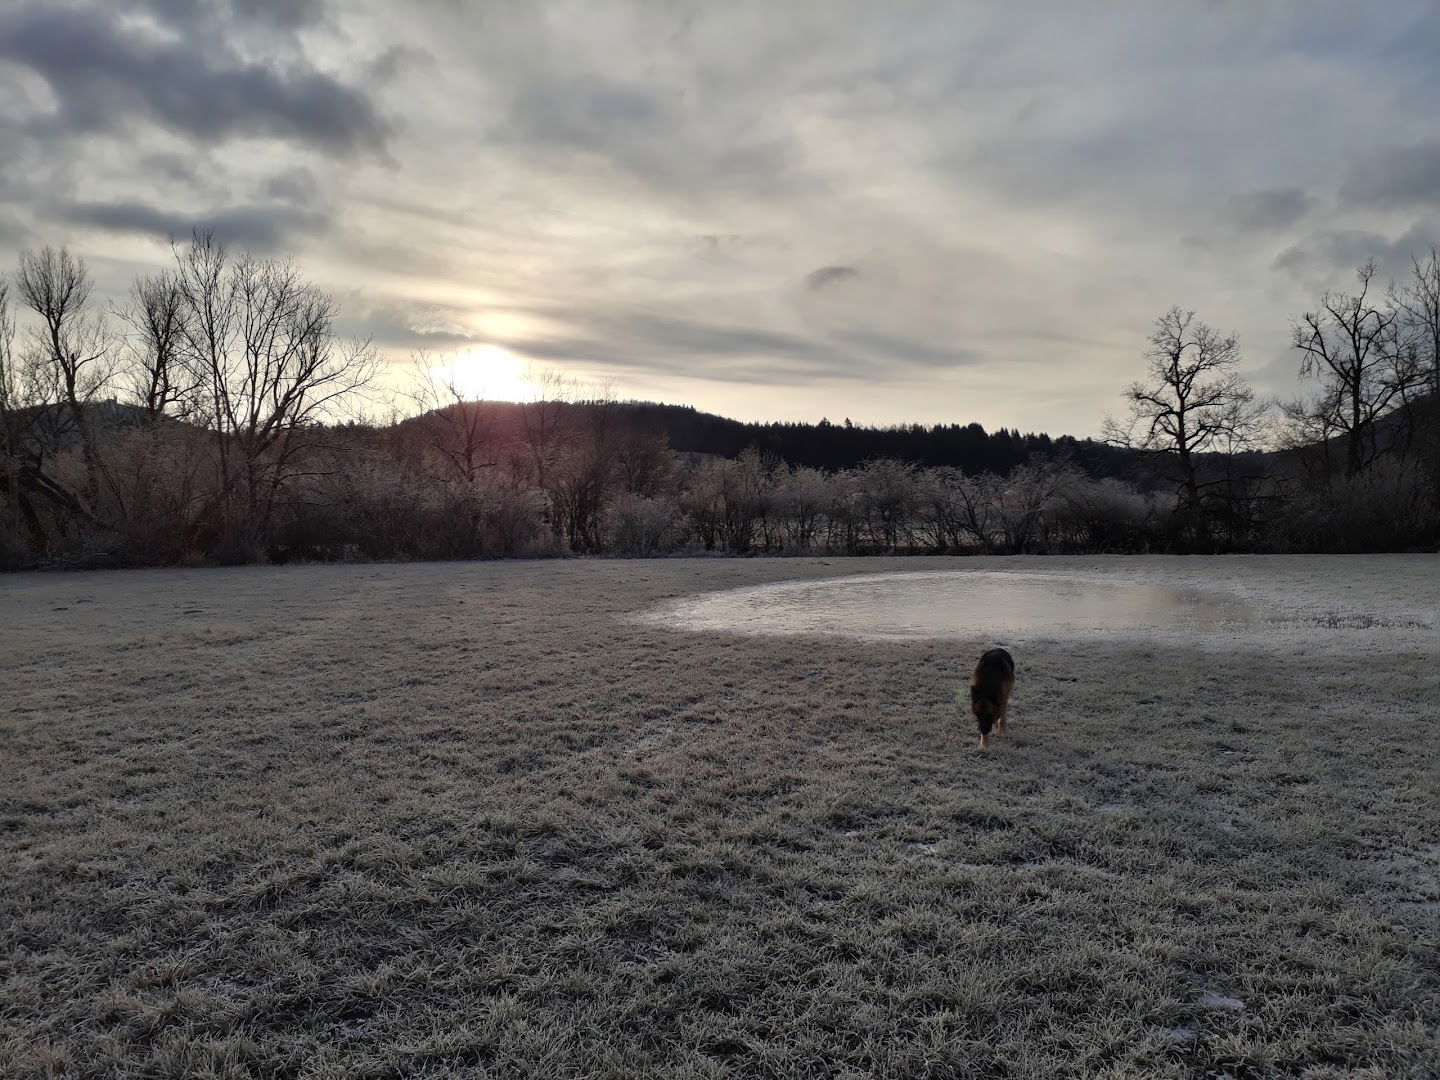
990 688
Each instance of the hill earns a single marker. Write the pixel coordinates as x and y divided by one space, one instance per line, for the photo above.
826 445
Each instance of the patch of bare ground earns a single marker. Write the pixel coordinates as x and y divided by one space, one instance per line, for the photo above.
470 820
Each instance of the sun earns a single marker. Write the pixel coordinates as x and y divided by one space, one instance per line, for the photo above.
486 373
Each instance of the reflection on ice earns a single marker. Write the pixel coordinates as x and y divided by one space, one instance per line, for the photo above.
960 604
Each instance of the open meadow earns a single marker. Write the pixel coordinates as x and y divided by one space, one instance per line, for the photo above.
474 819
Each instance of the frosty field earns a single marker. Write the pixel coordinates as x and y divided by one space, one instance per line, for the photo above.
501 820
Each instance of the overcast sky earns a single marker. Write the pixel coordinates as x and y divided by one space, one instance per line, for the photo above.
888 211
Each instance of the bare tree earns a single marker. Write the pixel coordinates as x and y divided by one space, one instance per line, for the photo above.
12 425
747 495
700 500
1030 494
645 462
160 378
978 505
1104 515
10 388
580 478
69 350
262 339
542 420
938 509
803 495
1192 402
727 500
1352 344
843 513
29 417
459 430
888 492
1418 302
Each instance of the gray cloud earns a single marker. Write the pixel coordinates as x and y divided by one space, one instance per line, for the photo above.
103 73
294 186
171 166
1272 209
644 342
261 228
890 349
829 275
587 112
286 14
1330 254
1332 249
716 350
1399 176
678 193
410 327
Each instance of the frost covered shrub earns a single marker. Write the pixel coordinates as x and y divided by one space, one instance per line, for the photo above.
511 519
1105 515
641 526
1388 507
384 510
886 501
385 513
802 496
701 503
729 504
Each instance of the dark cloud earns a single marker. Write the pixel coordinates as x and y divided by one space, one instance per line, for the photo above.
1331 253
586 112
104 72
829 275
296 187
285 14
672 345
13 234
176 167
1331 249
726 357
1399 176
891 349
396 59
665 134
408 326
1273 208
640 341
708 339
259 228
666 191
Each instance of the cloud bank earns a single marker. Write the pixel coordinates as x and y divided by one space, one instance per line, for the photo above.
915 212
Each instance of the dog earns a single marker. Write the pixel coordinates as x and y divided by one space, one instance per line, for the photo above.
990 688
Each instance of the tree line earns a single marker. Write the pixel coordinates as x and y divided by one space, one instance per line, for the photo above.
214 415
844 445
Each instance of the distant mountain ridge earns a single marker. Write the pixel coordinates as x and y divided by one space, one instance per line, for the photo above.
687 430
822 445
831 446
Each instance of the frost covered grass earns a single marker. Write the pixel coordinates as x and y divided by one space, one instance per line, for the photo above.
471 819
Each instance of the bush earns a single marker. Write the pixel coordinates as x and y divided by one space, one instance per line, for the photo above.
639 526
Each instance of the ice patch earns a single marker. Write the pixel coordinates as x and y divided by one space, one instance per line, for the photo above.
1004 605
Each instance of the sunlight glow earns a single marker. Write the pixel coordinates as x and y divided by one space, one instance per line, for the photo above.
487 373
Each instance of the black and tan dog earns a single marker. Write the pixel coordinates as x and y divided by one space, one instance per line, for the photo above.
990 688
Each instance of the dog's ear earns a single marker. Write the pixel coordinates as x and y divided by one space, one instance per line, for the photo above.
974 693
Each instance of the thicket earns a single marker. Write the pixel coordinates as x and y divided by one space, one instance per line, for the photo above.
210 417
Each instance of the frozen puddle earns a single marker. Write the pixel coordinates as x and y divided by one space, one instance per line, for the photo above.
961 603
